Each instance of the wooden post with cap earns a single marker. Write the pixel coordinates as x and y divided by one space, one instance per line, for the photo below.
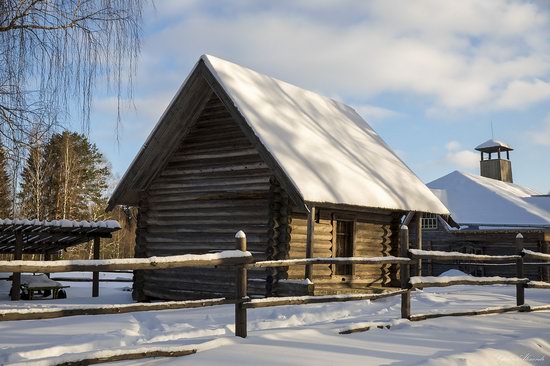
520 287
241 289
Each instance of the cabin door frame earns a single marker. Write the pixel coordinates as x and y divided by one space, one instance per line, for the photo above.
346 272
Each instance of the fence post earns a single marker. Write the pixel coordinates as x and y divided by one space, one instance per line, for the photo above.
95 274
520 287
404 269
16 276
241 284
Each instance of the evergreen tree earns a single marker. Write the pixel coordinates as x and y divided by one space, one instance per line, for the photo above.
5 191
78 177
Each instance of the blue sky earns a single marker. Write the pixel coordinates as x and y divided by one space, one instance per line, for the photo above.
430 76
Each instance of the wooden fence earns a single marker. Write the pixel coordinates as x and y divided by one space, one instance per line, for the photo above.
242 260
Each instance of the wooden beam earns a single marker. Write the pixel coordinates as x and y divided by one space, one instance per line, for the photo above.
480 281
51 313
341 260
453 256
472 312
300 300
16 276
310 242
95 274
113 355
103 265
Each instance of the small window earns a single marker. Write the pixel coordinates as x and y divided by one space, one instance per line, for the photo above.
344 245
429 221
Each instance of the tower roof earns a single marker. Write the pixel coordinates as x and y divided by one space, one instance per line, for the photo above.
493 146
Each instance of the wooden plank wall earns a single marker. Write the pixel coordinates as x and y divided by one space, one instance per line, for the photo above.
214 185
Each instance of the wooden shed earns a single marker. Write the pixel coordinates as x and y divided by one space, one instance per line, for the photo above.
303 175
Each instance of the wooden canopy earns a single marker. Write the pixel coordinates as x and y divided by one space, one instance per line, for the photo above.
41 237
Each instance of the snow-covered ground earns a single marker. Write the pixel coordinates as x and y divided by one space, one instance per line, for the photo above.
292 335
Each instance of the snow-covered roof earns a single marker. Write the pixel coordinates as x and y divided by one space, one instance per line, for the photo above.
41 235
475 200
326 150
493 144
108 224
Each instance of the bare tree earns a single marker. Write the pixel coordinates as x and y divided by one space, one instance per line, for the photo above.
52 53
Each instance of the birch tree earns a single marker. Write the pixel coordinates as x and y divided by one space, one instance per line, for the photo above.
52 54
6 205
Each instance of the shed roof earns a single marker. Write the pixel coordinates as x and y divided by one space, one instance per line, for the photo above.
481 201
50 236
326 150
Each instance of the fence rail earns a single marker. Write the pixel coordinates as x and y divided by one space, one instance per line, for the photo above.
242 260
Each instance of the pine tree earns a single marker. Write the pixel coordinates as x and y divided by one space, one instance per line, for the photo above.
78 177
5 191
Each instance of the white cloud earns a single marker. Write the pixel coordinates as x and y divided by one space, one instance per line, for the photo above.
462 159
452 145
541 135
374 113
471 55
521 93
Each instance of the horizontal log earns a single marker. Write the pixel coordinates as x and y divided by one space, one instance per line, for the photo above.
112 355
452 256
471 312
84 279
536 255
319 230
159 187
58 312
317 237
284 301
350 260
226 258
207 196
260 229
226 168
423 282
365 328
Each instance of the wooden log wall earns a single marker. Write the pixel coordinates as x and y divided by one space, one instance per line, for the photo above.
376 234
377 239
495 243
214 185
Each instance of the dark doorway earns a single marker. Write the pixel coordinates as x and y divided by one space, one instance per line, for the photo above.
344 246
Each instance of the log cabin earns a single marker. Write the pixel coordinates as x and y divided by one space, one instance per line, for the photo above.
488 211
301 174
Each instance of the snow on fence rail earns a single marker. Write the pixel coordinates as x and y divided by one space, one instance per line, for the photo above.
62 311
430 281
536 255
341 260
226 258
300 300
435 254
